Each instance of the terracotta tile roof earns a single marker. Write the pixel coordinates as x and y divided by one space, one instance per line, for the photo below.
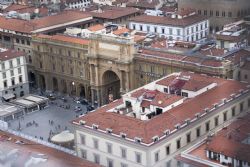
64 38
60 18
190 162
164 100
145 103
54 157
15 7
113 12
168 21
167 120
213 52
144 4
246 65
237 56
16 25
10 54
121 31
212 63
229 140
43 11
96 27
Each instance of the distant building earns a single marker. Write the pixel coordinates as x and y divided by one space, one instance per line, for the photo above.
76 4
233 36
183 26
221 12
149 125
13 76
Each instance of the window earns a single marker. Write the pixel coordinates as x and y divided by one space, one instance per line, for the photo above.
178 143
185 94
199 11
207 126
4 75
168 150
188 137
54 67
170 31
241 106
156 156
17 40
110 162
223 14
41 64
71 71
133 26
84 154
233 111
19 70
82 138
168 164
211 13
178 32
62 68
3 66
96 145
20 79
123 153
23 42
13 81
148 28
69 53
216 121
198 132
28 42
18 61
11 72
138 157
217 13
162 30
229 14
155 29
123 165
140 27
97 158
11 64
224 116
5 84
192 29
166 90
205 12
109 148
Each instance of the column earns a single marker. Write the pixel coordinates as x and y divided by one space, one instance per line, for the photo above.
99 98
121 81
96 74
92 96
91 74
127 81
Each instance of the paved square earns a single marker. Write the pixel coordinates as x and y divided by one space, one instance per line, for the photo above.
40 124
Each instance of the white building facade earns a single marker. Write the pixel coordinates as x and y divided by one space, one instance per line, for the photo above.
13 74
175 28
77 4
120 148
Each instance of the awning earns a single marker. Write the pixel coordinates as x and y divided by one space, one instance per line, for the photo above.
63 137
8 96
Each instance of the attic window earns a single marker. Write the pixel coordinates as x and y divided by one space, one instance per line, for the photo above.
197 115
177 126
123 135
137 140
94 126
108 130
206 110
155 138
187 121
166 132
82 122
215 105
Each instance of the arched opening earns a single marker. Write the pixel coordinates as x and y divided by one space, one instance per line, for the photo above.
82 91
73 88
64 86
55 84
42 82
111 86
32 79
21 93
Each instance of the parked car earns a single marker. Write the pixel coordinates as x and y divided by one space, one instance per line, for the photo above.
90 108
84 102
51 97
77 108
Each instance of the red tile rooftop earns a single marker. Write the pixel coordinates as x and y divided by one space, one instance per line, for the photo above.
64 38
10 54
167 120
96 27
169 21
55 158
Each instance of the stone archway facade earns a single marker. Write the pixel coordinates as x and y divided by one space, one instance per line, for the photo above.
110 54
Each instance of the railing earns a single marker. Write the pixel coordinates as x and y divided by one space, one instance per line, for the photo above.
4 128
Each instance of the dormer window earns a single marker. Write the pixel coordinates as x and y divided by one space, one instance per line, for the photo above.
197 115
123 135
187 121
167 132
108 130
155 138
94 126
137 140
177 126
206 110
166 90
82 122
